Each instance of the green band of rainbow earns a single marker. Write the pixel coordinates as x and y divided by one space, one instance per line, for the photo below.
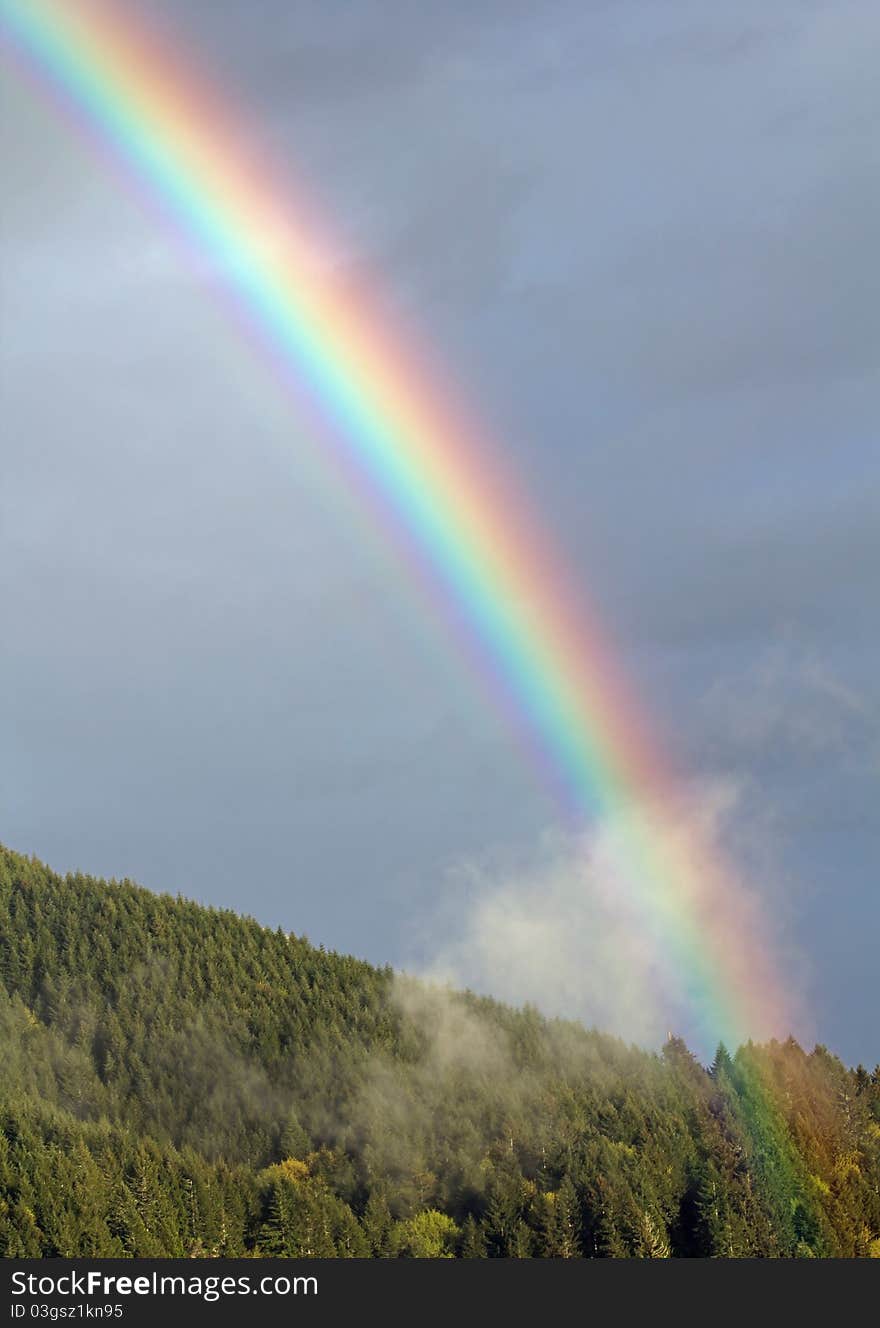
436 483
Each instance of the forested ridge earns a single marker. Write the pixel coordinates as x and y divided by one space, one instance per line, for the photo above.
181 1081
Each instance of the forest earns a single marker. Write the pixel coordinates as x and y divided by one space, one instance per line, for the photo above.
181 1081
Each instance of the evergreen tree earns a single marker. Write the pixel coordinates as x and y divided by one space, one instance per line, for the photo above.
179 1081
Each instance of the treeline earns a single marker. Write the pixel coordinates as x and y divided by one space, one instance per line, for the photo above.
179 1081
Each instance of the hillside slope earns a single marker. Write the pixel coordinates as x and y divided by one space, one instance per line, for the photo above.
178 1080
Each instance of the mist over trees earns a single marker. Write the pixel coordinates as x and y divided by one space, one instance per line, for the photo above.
180 1081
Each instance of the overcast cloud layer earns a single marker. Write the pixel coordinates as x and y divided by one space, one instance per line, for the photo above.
641 239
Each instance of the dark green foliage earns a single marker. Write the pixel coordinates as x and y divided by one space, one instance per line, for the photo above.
181 1081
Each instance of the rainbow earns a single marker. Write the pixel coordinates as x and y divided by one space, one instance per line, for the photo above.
437 485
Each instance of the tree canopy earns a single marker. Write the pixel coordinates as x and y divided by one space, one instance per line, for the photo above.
181 1081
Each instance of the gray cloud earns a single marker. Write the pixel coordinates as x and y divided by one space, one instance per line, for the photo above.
791 708
640 239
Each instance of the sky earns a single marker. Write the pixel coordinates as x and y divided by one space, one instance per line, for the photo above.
641 242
